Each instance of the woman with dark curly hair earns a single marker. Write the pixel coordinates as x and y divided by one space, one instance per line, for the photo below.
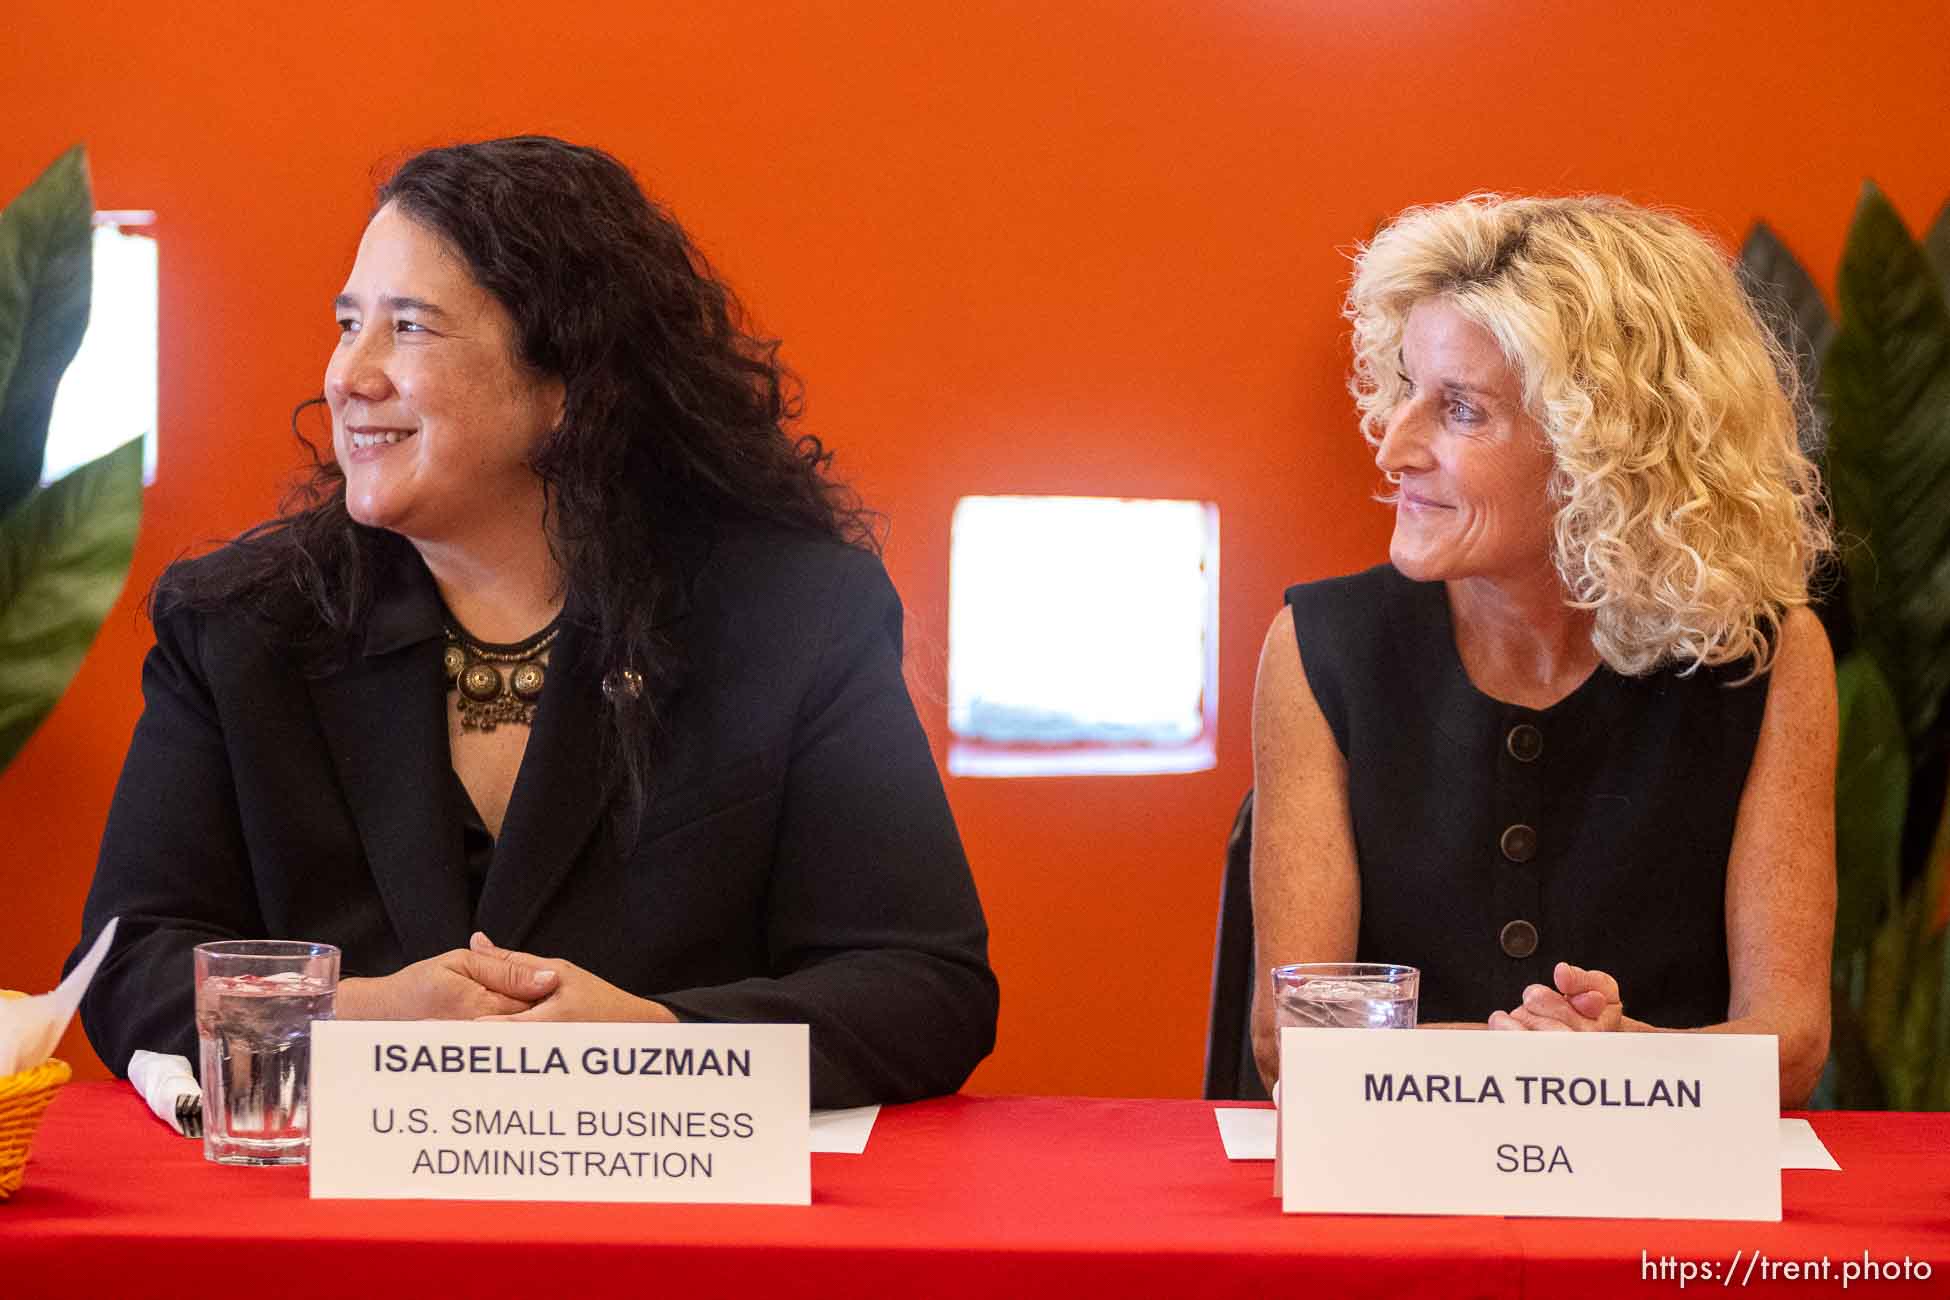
570 648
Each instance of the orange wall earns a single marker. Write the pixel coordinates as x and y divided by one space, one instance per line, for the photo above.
1087 246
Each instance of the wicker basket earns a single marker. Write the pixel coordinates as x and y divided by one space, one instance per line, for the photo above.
23 1097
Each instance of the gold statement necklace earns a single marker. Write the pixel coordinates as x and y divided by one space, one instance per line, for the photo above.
494 683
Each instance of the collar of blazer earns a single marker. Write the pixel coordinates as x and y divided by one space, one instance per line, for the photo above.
384 720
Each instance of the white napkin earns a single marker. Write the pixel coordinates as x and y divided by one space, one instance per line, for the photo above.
31 1027
163 1082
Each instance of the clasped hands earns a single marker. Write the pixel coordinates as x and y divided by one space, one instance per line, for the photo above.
1583 1000
486 982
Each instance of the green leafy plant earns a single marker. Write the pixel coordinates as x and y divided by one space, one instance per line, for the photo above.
1879 374
65 549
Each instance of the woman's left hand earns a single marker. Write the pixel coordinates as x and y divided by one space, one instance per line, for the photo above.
1584 1000
565 990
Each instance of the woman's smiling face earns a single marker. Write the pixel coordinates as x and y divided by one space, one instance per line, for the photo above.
435 421
1473 468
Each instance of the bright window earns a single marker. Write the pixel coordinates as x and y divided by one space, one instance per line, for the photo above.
108 394
1082 636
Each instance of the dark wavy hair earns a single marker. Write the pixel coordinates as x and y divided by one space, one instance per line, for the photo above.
675 420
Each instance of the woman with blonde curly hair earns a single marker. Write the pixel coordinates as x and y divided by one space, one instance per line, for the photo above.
1573 749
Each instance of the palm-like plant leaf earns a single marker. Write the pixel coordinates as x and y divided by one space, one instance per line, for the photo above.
1915 1053
1935 890
64 555
1936 246
46 271
1871 796
1887 383
1795 311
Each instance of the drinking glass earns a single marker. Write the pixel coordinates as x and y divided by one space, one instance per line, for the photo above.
255 1001
1345 995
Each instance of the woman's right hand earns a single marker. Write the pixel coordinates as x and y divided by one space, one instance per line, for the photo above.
1583 1000
456 985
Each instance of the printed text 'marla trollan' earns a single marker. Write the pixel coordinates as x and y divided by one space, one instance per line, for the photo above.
1534 1090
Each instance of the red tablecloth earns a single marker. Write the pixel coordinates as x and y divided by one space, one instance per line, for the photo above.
959 1197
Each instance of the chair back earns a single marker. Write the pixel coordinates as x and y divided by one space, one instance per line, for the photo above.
1230 1072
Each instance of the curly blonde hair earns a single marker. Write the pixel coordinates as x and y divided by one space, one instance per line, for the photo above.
1688 520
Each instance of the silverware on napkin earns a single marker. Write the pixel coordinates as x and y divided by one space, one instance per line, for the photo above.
170 1088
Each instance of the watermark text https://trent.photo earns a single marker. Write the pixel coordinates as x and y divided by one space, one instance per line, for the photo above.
1758 1266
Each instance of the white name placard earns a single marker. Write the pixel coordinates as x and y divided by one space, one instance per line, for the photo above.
457 1110
1430 1121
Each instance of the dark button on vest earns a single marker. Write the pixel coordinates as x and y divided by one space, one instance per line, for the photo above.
1524 742
1519 843
1519 939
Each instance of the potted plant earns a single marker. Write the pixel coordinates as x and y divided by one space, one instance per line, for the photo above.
65 547
1878 376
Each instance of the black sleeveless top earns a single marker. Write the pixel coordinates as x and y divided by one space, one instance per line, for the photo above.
1495 841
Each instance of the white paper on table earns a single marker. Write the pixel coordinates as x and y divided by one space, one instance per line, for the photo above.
30 1028
1802 1148
843 1132
1249 1133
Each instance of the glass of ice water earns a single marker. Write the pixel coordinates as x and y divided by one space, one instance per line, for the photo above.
1345 995
255 1001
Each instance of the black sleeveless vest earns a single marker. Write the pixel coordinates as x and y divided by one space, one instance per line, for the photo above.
1495 841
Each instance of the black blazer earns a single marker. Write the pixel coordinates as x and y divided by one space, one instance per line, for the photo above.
795 860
